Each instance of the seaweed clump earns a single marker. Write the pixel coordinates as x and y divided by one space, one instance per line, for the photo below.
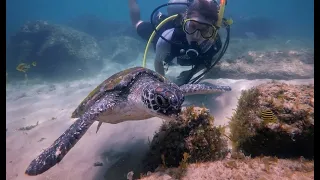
288 133
191 139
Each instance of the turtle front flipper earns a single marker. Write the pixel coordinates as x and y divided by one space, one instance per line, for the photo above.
56 152
203 88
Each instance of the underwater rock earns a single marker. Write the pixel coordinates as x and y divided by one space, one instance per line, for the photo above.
275 119
58 51
121 49
284 65
260 168
191 139
100 28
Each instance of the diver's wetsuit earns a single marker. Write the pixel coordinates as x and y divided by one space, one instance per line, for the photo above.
172 54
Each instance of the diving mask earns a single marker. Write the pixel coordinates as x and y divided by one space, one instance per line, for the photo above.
206 30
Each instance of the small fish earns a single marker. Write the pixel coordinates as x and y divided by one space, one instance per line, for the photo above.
22 67
268 116
34 63
229 21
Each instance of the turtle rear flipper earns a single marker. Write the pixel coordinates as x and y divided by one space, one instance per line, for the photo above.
56 152
203 88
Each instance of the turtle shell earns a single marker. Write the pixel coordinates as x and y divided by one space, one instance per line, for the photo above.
117 82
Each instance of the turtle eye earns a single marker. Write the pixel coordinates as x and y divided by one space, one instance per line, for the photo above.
173 101
161 101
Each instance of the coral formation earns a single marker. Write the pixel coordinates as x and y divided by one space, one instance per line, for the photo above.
289 134
191 139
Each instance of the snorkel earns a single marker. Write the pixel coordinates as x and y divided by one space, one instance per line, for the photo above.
192 49
221 13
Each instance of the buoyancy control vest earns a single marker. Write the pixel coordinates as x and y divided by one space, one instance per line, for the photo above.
183 59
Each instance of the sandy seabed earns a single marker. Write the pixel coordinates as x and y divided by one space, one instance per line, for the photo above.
51 105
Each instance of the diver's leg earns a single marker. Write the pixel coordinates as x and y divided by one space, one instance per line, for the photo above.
134 13
144 29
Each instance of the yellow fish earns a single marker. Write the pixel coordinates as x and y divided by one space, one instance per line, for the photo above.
229 21
34 63
268 116
22 67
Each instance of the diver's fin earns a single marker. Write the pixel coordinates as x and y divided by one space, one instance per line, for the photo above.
100 123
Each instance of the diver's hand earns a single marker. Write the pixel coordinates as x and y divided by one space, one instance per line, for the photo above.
159 67
184 76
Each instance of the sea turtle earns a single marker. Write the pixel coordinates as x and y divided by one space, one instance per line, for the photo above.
133 94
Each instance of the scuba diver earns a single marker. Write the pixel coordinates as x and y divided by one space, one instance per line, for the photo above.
190 39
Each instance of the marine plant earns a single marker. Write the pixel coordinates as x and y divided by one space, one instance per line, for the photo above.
192 139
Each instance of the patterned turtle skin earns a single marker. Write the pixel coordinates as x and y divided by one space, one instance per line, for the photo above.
133 94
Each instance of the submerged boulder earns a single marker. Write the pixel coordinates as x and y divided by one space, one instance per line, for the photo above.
191 139
58 52
275 119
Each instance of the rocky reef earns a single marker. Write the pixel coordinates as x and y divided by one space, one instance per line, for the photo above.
275 119
271 134
260 168
57 50
191 139
281 64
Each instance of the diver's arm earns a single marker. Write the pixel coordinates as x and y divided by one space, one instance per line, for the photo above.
162 51
134 13
158 66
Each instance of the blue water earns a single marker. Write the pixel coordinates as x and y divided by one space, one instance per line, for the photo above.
294 13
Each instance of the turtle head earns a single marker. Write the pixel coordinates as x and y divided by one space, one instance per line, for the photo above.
163 100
